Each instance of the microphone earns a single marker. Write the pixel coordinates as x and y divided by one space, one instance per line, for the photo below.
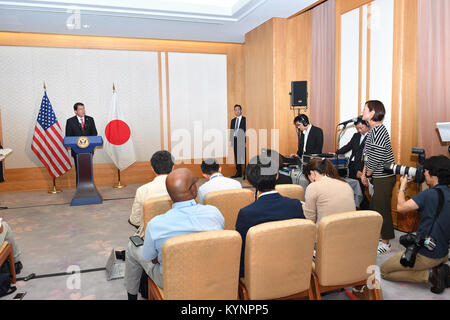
348 121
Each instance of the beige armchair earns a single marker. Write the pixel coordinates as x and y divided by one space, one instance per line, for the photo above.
293 191
278 259
229 202
154 207
200 266
346 246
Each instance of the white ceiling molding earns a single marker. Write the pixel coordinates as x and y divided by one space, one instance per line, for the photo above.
223 20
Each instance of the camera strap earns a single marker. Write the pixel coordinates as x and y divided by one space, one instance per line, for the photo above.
439 208
438 211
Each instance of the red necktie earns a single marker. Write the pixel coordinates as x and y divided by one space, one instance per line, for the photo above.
82 124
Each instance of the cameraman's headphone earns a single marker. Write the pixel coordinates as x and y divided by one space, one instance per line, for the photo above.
304 120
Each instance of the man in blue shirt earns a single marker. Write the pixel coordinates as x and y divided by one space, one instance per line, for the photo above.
429 265
262 173
185 217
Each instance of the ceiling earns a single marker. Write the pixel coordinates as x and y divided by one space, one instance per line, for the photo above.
199 20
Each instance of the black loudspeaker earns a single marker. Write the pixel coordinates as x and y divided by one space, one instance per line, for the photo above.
299 93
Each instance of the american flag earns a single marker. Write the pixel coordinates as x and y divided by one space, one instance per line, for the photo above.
48 141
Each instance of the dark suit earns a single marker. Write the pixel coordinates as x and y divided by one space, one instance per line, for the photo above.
314 143
238 141
74 129
271 207
356 162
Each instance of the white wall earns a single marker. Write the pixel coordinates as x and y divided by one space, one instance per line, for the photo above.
349 71
381 55
198 105
378 19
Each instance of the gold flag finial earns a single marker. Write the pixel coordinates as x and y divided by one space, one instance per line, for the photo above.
45 87
114 87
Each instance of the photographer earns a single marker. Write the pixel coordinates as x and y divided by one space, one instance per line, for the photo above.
427 252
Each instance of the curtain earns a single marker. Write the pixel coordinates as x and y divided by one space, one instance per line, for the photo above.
433 73
322 71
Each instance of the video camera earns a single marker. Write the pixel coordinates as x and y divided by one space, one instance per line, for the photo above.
417 173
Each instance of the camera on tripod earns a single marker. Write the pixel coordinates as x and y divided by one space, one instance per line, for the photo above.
417 173
413 245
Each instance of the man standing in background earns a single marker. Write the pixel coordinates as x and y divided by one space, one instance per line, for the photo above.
356 163
238 128
310 138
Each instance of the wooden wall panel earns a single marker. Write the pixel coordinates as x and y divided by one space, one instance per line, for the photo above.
259 78
26 179
28 39
281 83
404 99
106 174
343 6
298 68
277 52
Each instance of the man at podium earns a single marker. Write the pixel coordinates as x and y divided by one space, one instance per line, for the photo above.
80 125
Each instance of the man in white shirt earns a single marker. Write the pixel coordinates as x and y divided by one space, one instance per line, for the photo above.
162 164
212 171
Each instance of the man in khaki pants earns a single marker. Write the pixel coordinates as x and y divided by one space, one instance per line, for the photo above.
429 265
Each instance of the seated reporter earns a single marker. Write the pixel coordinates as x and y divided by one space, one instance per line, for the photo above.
212 171
262 173
429 266
283 177
185 217
327 193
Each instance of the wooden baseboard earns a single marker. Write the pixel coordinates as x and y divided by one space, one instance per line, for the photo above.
29 179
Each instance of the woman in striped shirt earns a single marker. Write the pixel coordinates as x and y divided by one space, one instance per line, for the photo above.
377 153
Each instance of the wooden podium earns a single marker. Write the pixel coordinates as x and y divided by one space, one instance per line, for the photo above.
86 192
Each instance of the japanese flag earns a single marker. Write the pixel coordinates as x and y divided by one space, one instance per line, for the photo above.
118 143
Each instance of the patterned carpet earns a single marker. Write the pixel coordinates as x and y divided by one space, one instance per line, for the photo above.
53 236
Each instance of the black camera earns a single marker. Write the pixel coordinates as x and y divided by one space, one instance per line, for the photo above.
413 245
417 173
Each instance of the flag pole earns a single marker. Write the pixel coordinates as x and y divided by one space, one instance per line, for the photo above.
119 185
54 190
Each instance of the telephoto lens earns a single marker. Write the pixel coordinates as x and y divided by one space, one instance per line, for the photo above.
402 170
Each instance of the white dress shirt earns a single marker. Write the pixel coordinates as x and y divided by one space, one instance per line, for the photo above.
81 118
217 182
268 192
362 138
305 139
237 124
